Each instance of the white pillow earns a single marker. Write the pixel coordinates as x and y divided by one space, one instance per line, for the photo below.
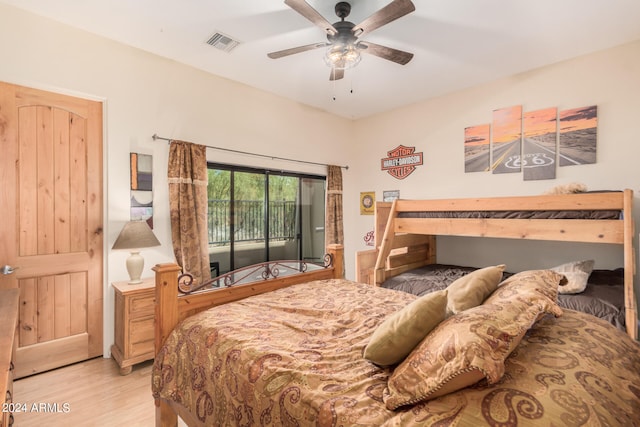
577 274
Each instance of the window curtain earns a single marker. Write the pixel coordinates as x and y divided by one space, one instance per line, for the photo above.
334 231
188 206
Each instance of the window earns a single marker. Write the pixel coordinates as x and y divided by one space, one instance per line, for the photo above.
258 215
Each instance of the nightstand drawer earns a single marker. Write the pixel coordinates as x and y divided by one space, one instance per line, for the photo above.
141 338
141 306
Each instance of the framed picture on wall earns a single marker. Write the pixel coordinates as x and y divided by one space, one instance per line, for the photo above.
141 188
367 202
390 195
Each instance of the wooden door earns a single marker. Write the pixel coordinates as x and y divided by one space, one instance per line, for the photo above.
51 224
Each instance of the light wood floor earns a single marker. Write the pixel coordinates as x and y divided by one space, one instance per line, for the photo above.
95 393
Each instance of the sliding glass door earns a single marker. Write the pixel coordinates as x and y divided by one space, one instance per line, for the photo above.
312 198
260 215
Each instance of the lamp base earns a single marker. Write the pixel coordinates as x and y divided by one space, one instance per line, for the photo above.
135 265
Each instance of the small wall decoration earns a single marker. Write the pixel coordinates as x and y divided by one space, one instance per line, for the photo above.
369 238
390 196
476 148
578 136
141 188
367 202
539 144
507 136
401 161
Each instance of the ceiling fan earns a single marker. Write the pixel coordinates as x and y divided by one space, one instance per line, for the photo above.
343 45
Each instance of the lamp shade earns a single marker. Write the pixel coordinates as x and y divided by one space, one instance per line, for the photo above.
136 235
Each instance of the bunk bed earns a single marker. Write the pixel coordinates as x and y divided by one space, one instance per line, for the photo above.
406 233
273 349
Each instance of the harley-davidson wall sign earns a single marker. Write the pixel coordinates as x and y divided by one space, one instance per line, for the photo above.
401 161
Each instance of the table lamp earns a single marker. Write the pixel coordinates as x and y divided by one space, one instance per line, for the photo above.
135 235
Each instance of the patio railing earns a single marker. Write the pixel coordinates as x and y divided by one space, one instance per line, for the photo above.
249 224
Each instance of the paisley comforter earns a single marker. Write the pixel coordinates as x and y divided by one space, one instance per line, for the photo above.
293 357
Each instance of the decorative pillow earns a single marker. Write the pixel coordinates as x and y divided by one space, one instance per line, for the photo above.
473 344
529 287
577 274
394 339
472 289
571 188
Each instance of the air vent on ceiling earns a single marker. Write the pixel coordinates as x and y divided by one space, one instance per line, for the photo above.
223 42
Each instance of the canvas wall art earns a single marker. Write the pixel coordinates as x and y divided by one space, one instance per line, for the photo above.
533 142
578 136
477 148
506 140
141 188
540 134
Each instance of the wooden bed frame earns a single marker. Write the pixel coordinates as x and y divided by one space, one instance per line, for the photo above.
403 244
171 308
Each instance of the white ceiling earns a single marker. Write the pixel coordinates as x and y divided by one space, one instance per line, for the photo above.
456 43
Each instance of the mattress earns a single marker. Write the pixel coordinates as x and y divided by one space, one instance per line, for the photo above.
603 297
571 214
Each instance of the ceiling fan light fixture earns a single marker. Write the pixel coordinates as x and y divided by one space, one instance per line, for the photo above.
341 56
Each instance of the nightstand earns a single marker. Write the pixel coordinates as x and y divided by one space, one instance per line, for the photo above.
134 333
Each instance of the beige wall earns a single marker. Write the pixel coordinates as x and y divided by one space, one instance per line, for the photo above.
145 94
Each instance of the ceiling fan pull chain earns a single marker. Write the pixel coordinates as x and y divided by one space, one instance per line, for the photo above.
351 81
333 83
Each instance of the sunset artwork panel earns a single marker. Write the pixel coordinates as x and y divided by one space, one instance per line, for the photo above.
578 136
506 140
477 148
540 133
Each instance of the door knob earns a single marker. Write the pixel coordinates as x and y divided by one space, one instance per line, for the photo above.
7 269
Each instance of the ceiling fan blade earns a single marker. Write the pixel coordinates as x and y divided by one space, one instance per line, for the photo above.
304 9
394 10
336 74
398 56
294 50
